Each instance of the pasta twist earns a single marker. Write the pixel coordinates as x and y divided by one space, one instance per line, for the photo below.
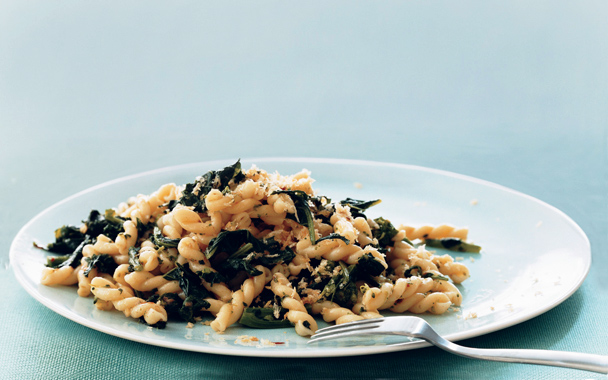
458 272
419 297
59 276
145 282
253 286
305 324
365 235
127 239
337 250
405 256
105 245
149 256
192 222
268 214
241 221
169 226
216 201
282 203
434 232
332 312
122 298
146 208
230 312
84 281
250 189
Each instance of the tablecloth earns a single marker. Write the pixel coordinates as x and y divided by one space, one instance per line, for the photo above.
510 92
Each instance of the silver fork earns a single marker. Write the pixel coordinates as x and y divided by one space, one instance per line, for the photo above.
418 328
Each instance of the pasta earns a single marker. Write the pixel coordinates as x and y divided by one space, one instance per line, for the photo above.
256 248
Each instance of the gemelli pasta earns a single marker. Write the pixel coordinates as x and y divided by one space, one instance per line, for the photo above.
256 248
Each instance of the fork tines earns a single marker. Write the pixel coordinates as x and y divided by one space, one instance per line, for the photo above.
362 327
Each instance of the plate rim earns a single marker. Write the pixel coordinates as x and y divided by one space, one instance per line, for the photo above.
310 351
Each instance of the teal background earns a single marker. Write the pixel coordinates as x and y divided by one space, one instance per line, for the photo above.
511 92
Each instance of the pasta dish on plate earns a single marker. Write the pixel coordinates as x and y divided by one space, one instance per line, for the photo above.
256 248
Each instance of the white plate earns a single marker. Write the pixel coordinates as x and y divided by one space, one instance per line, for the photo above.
534 256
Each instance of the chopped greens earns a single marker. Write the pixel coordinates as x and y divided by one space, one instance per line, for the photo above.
73 260
334 236
230 242
162 241
341 288
134 263
70 239
193 289
189 282
262 318
435 276
191 307
103 263
368 265
108 224
357 207
67 239
56 261
303 214
417 271
453 244
385 232
244 252
194 193
211 277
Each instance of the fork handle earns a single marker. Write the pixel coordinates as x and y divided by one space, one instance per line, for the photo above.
588 362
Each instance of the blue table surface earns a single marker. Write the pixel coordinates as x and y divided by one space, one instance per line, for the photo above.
511 92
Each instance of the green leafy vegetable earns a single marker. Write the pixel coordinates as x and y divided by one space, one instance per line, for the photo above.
186 309
334 236
67 239
275 254
170 301
417 271
162 241
189 282
243 252
385 232
104 263
211 277
262 318
341 288
191 307
195 292
357 207
435 276
143 229
56 261
194 193
230 242
109 224
453 244
367 265
303 213
74 258
240 260
134 263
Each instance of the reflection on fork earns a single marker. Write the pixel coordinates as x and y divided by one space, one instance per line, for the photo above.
416 327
